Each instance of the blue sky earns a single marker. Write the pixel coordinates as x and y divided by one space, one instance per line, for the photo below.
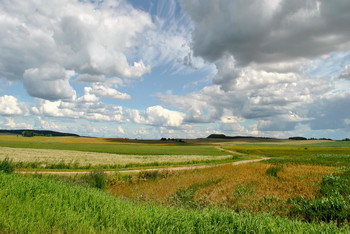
176 68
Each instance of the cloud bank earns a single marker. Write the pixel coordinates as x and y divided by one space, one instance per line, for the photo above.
262 67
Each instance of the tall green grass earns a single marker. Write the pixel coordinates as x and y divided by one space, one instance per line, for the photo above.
6 165
39 205
332 203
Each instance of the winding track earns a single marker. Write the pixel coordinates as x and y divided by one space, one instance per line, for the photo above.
154 169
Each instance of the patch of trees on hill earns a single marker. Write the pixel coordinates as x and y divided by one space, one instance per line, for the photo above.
300 138
304 138
223 136
172 139
31 133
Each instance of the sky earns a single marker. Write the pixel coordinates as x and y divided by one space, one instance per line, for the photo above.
176 68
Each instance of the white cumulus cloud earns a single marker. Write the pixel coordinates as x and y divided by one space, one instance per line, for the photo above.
9 105
42 41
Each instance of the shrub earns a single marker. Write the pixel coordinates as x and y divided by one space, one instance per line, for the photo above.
118 179
6 166
148 175
273 171
98 179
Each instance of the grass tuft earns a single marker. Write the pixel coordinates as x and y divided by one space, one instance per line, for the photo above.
273 171
98 179
6 165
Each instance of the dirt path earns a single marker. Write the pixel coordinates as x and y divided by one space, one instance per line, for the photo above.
152 169
229 151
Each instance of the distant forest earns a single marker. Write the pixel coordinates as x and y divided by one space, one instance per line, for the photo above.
26 132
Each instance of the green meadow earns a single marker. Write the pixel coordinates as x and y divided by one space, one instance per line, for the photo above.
333 154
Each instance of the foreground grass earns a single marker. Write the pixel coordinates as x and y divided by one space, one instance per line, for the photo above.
38 205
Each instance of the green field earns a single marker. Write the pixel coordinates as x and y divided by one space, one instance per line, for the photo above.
108 146
302 188
318 154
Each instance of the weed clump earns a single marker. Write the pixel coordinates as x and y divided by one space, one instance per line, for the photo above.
185 197
7 166
98 179
148 175
273 171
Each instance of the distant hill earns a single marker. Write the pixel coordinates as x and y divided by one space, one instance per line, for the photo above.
223 136
37 132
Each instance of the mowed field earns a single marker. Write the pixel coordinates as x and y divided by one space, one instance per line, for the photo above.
304 187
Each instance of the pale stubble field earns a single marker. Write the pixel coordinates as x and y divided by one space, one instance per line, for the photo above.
93 158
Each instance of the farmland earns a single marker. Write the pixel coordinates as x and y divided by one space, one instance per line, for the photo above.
41 158
336 154
88 153
303 187
102 145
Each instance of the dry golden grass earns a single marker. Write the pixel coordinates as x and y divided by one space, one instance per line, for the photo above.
294 180
244 186
162 189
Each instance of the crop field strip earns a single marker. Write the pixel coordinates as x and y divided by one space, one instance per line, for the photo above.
118 148
91 158
315 154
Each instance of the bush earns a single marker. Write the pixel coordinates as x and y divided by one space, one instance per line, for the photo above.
6 166
148 175
273 171
98 179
